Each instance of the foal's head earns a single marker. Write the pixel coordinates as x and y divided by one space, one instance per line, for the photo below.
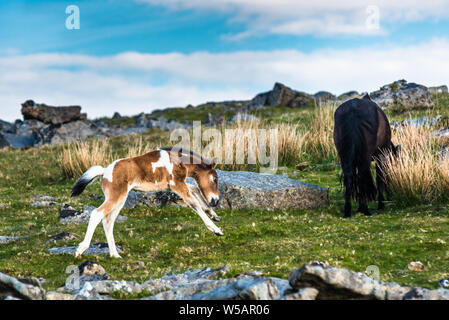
207 179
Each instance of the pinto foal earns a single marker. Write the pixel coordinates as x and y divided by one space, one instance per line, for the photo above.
162 169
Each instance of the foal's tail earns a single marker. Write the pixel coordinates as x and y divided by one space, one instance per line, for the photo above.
355 160
87 178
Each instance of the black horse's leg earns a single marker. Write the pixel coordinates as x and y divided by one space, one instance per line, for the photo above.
380 181
348 193
363 207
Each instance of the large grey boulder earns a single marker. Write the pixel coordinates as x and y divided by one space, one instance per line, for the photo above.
51 115
7 127
69 132
15 141
3 142
12 287
250 190
337 283
403 94
204 284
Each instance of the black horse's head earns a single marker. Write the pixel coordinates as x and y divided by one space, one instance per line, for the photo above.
395 149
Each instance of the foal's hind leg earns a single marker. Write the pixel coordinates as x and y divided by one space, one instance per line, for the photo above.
95 217
108 226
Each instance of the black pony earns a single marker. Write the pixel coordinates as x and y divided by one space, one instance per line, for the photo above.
361 134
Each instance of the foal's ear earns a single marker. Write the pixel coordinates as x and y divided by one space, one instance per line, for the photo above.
213 163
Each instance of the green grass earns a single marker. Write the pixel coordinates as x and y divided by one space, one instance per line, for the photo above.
174 239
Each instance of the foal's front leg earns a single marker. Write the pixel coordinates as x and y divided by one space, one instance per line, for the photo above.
182 190
195 192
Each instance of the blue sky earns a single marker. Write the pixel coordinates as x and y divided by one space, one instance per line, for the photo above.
138 55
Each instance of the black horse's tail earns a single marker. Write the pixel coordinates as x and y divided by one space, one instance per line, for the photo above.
354 156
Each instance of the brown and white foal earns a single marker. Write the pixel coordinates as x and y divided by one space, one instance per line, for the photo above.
162 169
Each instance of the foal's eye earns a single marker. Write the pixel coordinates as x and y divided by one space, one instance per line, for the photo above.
215 180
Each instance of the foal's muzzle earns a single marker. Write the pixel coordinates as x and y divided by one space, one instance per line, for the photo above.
214 202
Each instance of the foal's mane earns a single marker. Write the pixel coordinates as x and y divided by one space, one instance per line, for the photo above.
191 154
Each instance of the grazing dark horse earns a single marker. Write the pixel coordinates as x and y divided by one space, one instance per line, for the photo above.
361 134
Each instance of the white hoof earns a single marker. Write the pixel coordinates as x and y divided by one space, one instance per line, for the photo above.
79 251
115 255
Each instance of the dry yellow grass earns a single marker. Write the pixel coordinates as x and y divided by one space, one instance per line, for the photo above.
418 173
319 143
296 142
78 157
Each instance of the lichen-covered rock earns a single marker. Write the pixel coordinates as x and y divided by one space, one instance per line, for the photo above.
281 95
54 295
403 94
438 89
51 115
94 249
8 239
324 96
302 294
12 287
338 283
63 236
67 214
90 267
251 190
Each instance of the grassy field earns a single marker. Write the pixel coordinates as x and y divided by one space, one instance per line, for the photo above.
175 239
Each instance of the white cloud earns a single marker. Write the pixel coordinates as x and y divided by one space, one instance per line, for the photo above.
317 17
133 82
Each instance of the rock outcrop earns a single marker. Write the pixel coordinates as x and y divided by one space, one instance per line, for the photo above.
403 95
337 283
281 95
313 281
13 288
438 90
324 96
51 115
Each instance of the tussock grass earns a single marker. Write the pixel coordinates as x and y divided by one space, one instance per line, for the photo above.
418 173
308 140
78 157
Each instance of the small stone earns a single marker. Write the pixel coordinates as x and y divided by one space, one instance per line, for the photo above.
416 266
139 264
43 203
7 239
94 249
443 283
63 236
90 267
